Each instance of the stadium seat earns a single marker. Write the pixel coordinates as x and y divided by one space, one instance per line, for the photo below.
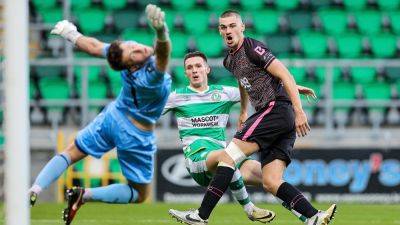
313 44
320 3
114 166
51 16
106 37
363 75
32 91
217 5
286 4
96 90
349 45
388 4
44 4
211 45
368 21
114 4
321 74
1 139
170 16
343 91
377 91
228 81
383 45
183 5
179 42
93 73
266 21
252 5
124 19
196 21
115 80
80 4
139 36
333 21
143 3
355 4
394 22
179 78
91 20
393 73
280 44
299 74
219 73
44 71
299 20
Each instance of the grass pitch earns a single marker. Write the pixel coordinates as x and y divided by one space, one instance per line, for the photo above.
225 214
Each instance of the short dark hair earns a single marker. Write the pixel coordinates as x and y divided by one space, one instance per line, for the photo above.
230 12
114 56
194 54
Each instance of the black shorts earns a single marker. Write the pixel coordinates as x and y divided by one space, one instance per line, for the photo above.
273 129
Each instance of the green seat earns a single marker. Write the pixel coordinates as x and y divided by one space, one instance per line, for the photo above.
252 5
79 166
44 4
51 16
179 43
115 80
1 139
388 4
299 20
394 22
383 45
183 5
377 91
320 3
97 90
44 71
287 4
279 44
211 45
363 75
314 44
80 4
139 36
179 78
218 5
266 21
91 20
299 74
114 166
321 73
93 73
219 73
228 81
196 21
355 4
349 45
393 73
368 21
124 19
343 91
54 88
333 21
106 37
114 4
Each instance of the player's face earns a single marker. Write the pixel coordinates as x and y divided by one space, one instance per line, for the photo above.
231 29
197 70
135 54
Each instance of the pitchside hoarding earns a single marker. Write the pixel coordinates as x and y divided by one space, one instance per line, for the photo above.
345 175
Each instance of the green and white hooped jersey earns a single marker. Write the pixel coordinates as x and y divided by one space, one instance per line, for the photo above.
202 117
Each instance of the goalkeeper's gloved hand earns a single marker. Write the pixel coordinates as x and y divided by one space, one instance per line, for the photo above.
66 30
156 18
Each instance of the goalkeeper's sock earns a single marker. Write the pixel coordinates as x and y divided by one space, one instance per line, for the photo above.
295 200
240 193
114 193
215 190
51 172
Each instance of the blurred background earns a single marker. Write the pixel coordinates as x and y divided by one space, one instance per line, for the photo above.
346 50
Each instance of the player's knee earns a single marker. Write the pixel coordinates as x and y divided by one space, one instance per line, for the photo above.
271 183
233 155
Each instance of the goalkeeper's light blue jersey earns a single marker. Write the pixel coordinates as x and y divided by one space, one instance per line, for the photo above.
144 92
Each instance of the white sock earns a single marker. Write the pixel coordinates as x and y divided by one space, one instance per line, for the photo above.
248 208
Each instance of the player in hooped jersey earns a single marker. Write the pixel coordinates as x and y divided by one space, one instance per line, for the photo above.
126 123
271 130
202 113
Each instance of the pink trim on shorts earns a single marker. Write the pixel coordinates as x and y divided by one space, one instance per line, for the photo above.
255 124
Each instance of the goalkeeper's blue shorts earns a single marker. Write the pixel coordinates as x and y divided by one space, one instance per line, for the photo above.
135 148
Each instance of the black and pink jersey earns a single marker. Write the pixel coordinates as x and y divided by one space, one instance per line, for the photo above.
249 65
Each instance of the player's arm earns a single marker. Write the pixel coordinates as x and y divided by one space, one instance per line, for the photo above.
162 47
170 105
244 102
277 69
309 92
90 45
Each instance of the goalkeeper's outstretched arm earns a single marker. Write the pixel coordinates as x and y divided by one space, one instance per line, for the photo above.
68 31
162 47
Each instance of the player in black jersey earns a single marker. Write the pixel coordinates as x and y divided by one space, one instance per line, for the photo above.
271 130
